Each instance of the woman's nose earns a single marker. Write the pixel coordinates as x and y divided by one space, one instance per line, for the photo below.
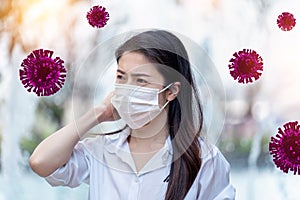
129 81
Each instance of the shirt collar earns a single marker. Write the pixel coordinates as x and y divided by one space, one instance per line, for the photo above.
118 148
118 140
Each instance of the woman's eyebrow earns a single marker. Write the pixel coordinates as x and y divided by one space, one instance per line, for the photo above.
134 74
140 74
122 72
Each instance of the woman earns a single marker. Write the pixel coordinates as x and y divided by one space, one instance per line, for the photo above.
160 153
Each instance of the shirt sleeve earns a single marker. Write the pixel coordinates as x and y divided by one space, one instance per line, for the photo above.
74 172
214 183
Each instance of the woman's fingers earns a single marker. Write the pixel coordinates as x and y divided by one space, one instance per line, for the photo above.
109 113
107 100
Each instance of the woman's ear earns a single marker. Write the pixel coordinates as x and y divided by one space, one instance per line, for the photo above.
173 91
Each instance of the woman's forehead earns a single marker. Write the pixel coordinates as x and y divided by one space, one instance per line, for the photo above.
134 62
132 59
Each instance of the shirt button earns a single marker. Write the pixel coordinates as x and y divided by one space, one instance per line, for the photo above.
136 180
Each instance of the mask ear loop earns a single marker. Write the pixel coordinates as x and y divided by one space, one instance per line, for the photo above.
164 105
164 89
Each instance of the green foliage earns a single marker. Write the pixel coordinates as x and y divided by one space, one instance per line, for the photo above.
237 150
29 144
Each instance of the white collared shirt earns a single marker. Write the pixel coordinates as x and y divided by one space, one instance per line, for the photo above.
105 163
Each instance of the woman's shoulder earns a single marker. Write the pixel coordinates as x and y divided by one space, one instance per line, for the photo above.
213 180
93 143
207 148
94 140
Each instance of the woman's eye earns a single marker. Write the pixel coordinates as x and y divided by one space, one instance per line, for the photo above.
120 77
142 81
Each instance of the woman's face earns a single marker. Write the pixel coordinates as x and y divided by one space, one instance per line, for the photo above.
135 69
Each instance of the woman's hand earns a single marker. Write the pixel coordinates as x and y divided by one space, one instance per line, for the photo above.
105 110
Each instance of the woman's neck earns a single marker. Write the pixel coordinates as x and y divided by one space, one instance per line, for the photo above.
152 135
153 140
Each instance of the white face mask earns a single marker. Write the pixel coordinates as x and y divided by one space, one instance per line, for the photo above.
137 105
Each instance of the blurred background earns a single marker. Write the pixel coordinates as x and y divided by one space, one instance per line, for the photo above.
221 27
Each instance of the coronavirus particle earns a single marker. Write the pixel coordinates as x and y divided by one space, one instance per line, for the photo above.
97 16
246 66
285 148
286 21
42 74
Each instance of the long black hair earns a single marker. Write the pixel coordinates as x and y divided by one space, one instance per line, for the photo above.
185 117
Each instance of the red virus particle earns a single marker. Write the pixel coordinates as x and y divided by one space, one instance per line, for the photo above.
42 74
246 66
286 21
285 148
97 16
